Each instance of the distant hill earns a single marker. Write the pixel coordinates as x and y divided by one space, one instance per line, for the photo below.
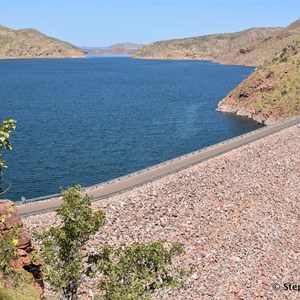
112 51
294 25
249 47
121 48
131 46
30 43
271 93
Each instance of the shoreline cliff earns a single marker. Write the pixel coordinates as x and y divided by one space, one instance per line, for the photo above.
271 93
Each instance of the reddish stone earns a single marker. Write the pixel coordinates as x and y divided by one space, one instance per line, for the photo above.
25 260
9 213
21 252
17 264
10 218
25 241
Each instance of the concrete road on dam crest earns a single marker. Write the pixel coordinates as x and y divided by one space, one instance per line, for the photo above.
139 178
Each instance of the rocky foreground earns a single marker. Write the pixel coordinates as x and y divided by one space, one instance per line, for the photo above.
237 216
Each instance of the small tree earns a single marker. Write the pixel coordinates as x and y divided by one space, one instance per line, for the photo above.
6 126
126 273
134 272
8 240
60 251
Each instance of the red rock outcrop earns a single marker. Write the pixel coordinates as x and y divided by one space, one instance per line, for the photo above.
9 218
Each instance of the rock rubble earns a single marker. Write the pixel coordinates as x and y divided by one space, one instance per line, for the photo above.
259 117
237 216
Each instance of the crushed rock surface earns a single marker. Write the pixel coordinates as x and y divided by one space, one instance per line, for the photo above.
238 216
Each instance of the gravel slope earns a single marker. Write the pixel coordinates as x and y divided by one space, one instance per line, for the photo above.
237 216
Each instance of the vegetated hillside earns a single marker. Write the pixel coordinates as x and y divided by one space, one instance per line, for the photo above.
272 92
30 43
249 47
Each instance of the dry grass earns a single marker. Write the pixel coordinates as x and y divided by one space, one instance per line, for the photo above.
28 43
250 47
22 289
273 90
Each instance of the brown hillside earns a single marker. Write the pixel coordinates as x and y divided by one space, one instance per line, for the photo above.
30 43
249 47
272 92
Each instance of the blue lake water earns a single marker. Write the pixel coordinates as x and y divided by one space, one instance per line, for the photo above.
93 119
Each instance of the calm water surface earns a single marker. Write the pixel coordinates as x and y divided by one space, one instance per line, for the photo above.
93 119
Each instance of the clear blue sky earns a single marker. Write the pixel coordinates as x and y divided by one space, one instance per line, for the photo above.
104 22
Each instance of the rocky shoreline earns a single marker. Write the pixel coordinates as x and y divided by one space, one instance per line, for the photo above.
42 57
271 92
243 112
236 214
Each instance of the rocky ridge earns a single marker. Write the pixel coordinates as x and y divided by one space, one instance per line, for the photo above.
30 43
252 47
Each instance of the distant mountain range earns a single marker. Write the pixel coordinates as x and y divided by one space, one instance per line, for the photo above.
250 47
121 48
131 46
30 43
112 51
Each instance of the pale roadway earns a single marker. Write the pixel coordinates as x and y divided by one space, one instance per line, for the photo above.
147 175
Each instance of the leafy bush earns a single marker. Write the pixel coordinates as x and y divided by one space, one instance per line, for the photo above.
135 271
6 126
127 273
8 246
63 266
8 251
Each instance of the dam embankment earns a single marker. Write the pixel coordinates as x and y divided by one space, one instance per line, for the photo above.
237 215
135 179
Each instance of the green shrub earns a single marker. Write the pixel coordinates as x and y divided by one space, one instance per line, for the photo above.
63 266
127 273
6 126
8 251
8 246
134 272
